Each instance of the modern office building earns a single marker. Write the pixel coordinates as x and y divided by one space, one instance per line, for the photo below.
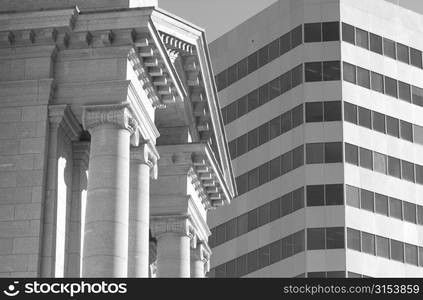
323 107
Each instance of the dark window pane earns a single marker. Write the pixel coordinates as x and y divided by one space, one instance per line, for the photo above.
353 275
397 250
241 145
394 167
220 271
334 194
363 77
361 38
419 174
212 238
314 153
275 88
231 112
407 170
253 102
231 229
411 254
286 123
312 32
275 252
232 74
314 112
285 82
316 275
274 50
348 34
335 238
377 82
366 159
417 95
252 261
232 149
286 162
406 131
263 94
353 196
391 87
351 154
350 112
242 183
241 265
222 80
264 173
264 256
402 53
297 116
389 48
331 70
382 247
333 152
353 239
392 126
263 56
286 204
231 269
379 162
330 31
367 201
368 243
252 219
349 72
275 127
242 106
364 117
395 208
224 110
253 139
315 195
299 241
243 68
297 199
296 36
420 215
287 247
263 133
416 57
379 122
375 43
285 43
242 222
253 179
381 204
221 234
418 134
409 212
313 71
421 256
275 209
315 238
275 168
335 274
298 157
404 92
253 62
264 214
333 111
297 76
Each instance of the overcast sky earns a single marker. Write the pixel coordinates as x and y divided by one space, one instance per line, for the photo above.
220 16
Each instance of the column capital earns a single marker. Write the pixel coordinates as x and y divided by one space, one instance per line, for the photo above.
179 225
146 154
62 116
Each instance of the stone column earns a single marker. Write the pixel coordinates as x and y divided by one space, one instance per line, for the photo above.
142 161
105 251
200 257
173 236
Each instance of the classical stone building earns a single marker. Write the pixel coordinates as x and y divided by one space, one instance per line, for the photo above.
112 147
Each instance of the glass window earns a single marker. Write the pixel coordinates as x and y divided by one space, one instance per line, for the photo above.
421 256
285 43
221 234
296 36
264 133
252 261
420 216
232 149
241 145
222 80
314 153
377 82
379 162
367 201
275 127
264 173
242 106
253 62
220 271
243 68
418 134
379 122
253 102
297 116
394 167
298 157
264 256
263 94
382 247
231 112
417 95
353 239
264 214
407 170
253 179
409 212
363 77
313 71
275 88
242 183
275 168
350 112
402 53
391 87
263 56
331 70
353 196
368 243
364 117
314 112
231 269
274 50
353 275
381 202
275 209
315 195
335 274
231 229
232 74
419 174
253 139
333 152
286 162
330 31
361 38
395 208
397 250
348 34
335 238
312 32
275 252
334 194
375 43
286 122
287 247
389 48
366 159
241 265
404 92
333 111
349 72
411 254
242 224
299 241
416 57
351 154
392 126
406 131
252 219
297 75
298 199
286 204
316 275
315 238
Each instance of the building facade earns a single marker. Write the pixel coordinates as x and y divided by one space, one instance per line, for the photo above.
112 147
323 108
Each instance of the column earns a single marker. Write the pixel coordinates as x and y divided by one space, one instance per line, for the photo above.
199 260
173 236
142 161
105 251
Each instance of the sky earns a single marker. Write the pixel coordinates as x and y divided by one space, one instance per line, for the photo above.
219 16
